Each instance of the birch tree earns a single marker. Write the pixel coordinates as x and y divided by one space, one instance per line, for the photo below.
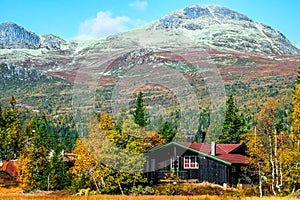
257 165
266 129
118 154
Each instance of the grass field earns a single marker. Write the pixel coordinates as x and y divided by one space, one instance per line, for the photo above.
12 196
15 193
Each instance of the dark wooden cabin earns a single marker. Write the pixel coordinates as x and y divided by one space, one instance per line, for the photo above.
215 163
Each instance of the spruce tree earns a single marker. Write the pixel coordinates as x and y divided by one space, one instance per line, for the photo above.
139 113
167 132
41 163
298 76
121 118
234 124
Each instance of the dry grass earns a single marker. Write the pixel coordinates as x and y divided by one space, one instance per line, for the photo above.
4 190
119 197
105 197
271 198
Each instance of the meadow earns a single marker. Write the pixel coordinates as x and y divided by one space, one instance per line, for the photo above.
120 197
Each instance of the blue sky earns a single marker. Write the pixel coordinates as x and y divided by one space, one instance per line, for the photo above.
85 19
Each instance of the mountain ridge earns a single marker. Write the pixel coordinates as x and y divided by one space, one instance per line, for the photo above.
205 26
218 27
14 36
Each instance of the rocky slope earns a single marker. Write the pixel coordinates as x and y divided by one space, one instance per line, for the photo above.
254 60
208 27
213 27
13 36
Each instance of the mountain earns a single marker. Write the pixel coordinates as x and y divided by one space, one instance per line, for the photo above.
13 36
254 62
214 27
204 26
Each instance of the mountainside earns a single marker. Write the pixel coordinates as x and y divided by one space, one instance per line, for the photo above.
219 27
204 26
13 36
214 27
253 60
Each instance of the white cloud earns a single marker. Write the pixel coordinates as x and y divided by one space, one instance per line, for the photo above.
139 5
103 24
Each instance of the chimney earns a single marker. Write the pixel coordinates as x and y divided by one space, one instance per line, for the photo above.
203 134
189 138
213 148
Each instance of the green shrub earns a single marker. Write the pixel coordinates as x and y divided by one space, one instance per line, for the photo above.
140 190
169 189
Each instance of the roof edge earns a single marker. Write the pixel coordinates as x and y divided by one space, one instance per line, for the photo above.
190 149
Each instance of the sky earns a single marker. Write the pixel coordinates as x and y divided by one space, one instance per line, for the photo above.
88 19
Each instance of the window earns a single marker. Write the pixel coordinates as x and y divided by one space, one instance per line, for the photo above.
172 163
233 169
152 165
190 162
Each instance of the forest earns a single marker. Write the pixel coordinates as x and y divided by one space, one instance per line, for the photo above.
103 161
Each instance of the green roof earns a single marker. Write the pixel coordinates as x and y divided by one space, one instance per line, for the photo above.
190 149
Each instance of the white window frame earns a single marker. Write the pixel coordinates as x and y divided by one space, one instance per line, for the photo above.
172 159
188 160
152 165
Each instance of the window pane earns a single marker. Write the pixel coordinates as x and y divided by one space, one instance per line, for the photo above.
191 162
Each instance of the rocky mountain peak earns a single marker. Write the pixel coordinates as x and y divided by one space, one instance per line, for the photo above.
201 12
212 11
52 41
218 27
14 36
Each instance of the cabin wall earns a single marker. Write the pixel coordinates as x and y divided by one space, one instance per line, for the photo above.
213 171
158 164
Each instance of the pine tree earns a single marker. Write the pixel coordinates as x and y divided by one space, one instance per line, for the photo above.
167 132
2 122
14 139
121 118
41 163
139 113
298 76
234 124
11 133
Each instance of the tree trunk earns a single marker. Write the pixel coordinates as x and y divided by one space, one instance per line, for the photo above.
97 187
260 183
272 165
120 187
276 162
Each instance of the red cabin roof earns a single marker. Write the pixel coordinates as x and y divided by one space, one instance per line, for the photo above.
227 152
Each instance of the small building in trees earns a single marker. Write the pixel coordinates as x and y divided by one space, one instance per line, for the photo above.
10 167
215 163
